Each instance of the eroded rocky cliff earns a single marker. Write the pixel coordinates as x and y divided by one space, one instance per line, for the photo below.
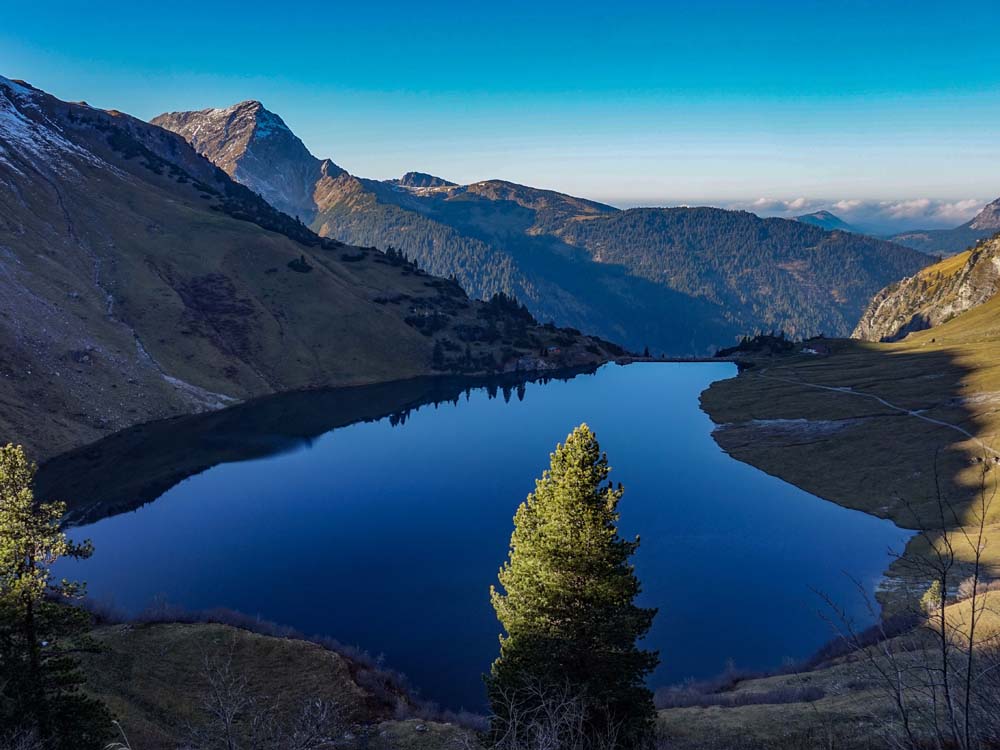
935 295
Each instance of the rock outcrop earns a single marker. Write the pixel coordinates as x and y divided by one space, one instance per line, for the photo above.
257 149
935 295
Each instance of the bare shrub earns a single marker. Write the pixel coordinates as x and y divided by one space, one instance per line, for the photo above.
21 740
236 717
940 678
538 716
970 586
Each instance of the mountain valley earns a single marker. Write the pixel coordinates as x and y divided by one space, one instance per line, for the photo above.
680 280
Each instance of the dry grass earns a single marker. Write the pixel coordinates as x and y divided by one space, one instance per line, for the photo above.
870 456
849 716
151 677
858 452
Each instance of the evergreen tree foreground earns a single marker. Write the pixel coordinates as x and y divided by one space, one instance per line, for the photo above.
40 630
568 608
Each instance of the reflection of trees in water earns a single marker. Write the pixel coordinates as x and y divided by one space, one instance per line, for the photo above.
492 391
136 466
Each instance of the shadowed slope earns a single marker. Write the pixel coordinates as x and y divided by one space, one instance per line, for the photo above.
680 280
883 428
138 281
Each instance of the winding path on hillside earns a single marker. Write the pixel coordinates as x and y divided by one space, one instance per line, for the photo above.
911 412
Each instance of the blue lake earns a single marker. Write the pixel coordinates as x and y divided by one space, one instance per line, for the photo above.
387 534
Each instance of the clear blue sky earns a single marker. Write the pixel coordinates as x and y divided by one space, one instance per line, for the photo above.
665 102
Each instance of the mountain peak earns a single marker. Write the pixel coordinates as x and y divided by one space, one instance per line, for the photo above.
255 147
422 180
988 219
826 220
18 87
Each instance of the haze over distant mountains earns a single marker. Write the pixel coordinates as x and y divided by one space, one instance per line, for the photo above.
828 221
922 224
948 241
681 280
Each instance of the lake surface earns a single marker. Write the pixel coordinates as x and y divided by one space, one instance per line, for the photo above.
387 534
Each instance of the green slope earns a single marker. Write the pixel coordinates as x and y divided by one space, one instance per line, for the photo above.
140 282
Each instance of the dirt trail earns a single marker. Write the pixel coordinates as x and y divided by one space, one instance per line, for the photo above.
910 412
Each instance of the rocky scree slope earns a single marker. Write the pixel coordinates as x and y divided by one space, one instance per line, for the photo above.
681 280
256 148
935 295
138 281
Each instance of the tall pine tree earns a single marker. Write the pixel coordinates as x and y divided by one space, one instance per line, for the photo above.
40 630
567 603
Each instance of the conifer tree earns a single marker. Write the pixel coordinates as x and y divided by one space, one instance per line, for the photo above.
40 630
567 600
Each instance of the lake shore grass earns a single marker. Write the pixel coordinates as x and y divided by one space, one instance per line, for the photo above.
887 429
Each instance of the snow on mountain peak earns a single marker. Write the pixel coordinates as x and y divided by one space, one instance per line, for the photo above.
17 88
34 135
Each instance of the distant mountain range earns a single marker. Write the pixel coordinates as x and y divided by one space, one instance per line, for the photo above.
939 242
680 280
139 281
948 241
827 220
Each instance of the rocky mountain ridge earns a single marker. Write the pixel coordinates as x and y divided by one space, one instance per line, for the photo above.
257 149
987 220
682 281
138 282
935 295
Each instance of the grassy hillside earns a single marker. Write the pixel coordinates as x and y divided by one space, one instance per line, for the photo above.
844 703
878 427
905 430
935 295
682 281
154 678
140 282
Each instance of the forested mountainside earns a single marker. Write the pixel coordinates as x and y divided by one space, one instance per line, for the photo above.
764 273
681 280
949 241
139 282
935 295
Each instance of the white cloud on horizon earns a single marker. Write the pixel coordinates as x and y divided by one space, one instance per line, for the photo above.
878 216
